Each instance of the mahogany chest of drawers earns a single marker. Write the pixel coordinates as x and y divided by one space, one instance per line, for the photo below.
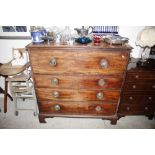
78 80
138 95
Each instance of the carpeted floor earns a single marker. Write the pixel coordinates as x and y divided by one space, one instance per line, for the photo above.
26 120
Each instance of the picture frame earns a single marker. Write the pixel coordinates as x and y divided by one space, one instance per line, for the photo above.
15 32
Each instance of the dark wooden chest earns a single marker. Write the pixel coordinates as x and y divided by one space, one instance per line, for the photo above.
138 95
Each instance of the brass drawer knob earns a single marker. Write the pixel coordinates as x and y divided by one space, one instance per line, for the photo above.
146 108
153 86
57 107
53 62
150 98
134 86
54 81
101 82
131 98
136 76
128 108
98 108
104 63
56 94
99 95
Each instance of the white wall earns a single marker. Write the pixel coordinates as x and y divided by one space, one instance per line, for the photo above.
7 45
131 33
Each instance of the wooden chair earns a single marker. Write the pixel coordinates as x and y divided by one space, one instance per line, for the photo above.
6 70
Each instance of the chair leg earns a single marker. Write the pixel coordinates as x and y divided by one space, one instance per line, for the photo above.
5 95
15 104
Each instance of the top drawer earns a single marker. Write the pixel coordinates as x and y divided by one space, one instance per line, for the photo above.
142 76
100 62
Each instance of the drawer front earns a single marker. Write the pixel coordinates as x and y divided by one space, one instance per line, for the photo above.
70 108
132 86
74 95
84 62
102 62
78 81
139 98
143 76
136 109
146 86
130 99
50 62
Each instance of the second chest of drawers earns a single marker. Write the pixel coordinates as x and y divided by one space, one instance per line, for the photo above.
138 96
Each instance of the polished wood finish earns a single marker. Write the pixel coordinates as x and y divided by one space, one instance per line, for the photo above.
82 108
138 95
78 80
73 62
74 95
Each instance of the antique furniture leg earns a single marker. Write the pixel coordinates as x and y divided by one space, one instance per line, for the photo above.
3 92
114 121
150 116
42 119
5 96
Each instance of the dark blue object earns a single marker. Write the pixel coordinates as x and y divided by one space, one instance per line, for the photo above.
37 36
83 40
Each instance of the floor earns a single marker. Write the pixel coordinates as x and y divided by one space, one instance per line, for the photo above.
26 120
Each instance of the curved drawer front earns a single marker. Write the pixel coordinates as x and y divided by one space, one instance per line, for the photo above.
77 95
83 62
77 108
78 81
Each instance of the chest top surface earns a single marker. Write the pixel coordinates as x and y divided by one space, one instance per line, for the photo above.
103 46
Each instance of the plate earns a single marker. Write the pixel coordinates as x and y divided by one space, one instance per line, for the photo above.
38 42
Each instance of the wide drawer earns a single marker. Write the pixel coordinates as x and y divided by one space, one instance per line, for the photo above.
77 108
84 62
77 95
146 86
78 81
140 76
136 109
139 98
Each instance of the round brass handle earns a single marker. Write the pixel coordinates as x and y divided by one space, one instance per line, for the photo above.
134 86
150 98
146 108
131 98
104 63
56 94
98 108
99 95
101 82
53 62
54 81
137 76
57 107
128 108
153 86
